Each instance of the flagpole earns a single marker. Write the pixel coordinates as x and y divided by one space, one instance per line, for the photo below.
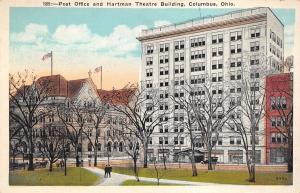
101 77
51 63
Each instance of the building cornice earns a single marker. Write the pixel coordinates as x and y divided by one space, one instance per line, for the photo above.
204 27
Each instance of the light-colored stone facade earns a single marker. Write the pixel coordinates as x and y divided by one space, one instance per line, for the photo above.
170 52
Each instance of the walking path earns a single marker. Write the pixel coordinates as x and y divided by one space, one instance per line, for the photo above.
117 179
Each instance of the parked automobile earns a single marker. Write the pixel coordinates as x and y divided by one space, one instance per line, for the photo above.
213 160
40 164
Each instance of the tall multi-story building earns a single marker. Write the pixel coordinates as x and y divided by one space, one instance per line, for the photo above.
214 48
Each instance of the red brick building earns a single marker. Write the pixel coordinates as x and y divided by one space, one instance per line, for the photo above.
279 102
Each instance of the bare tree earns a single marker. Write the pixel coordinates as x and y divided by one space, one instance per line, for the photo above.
15 140
185 103
74 115
131 147
141 106
207 109
97 112
250 112
26 99
158 173
52 144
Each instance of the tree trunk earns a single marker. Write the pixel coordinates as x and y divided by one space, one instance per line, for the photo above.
77 156
252 179
248 165
95 156
145 154
30 164
65 160
194 168
209 166
290 153
30 156
165 167
135 169
51 166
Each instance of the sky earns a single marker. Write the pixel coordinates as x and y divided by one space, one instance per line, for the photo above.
84 38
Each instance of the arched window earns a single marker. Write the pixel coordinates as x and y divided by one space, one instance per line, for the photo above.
120 147
130 145
109 146
99 146
115 146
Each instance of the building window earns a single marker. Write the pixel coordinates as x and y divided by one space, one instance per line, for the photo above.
238 141
176 140
161 141
254 46
149 72
150 141
179 69
235 36
235 49
231 140
179 57
195 42
255 32
149 61
220 141
214 52
254 60
217 39
149 84
164 47
150 49
166 140
179 45
181 140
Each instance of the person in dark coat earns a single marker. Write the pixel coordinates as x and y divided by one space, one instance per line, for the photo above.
105 171
109 170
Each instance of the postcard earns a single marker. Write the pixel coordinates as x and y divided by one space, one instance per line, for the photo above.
150 95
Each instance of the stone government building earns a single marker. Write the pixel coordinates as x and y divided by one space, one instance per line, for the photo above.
85 91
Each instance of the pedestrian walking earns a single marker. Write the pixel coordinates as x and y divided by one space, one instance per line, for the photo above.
105 171
109 170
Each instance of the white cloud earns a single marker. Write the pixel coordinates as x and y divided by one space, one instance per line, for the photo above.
72 34
34 33
121 41
160 23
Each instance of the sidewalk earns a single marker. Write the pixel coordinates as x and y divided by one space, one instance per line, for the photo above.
118 179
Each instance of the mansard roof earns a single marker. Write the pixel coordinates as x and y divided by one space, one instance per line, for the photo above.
59 86
117 97
57 83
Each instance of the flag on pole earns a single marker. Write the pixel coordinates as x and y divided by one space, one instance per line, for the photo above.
48 55
98 69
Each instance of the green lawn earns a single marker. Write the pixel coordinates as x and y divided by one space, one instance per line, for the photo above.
142 183
223 177
42 177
